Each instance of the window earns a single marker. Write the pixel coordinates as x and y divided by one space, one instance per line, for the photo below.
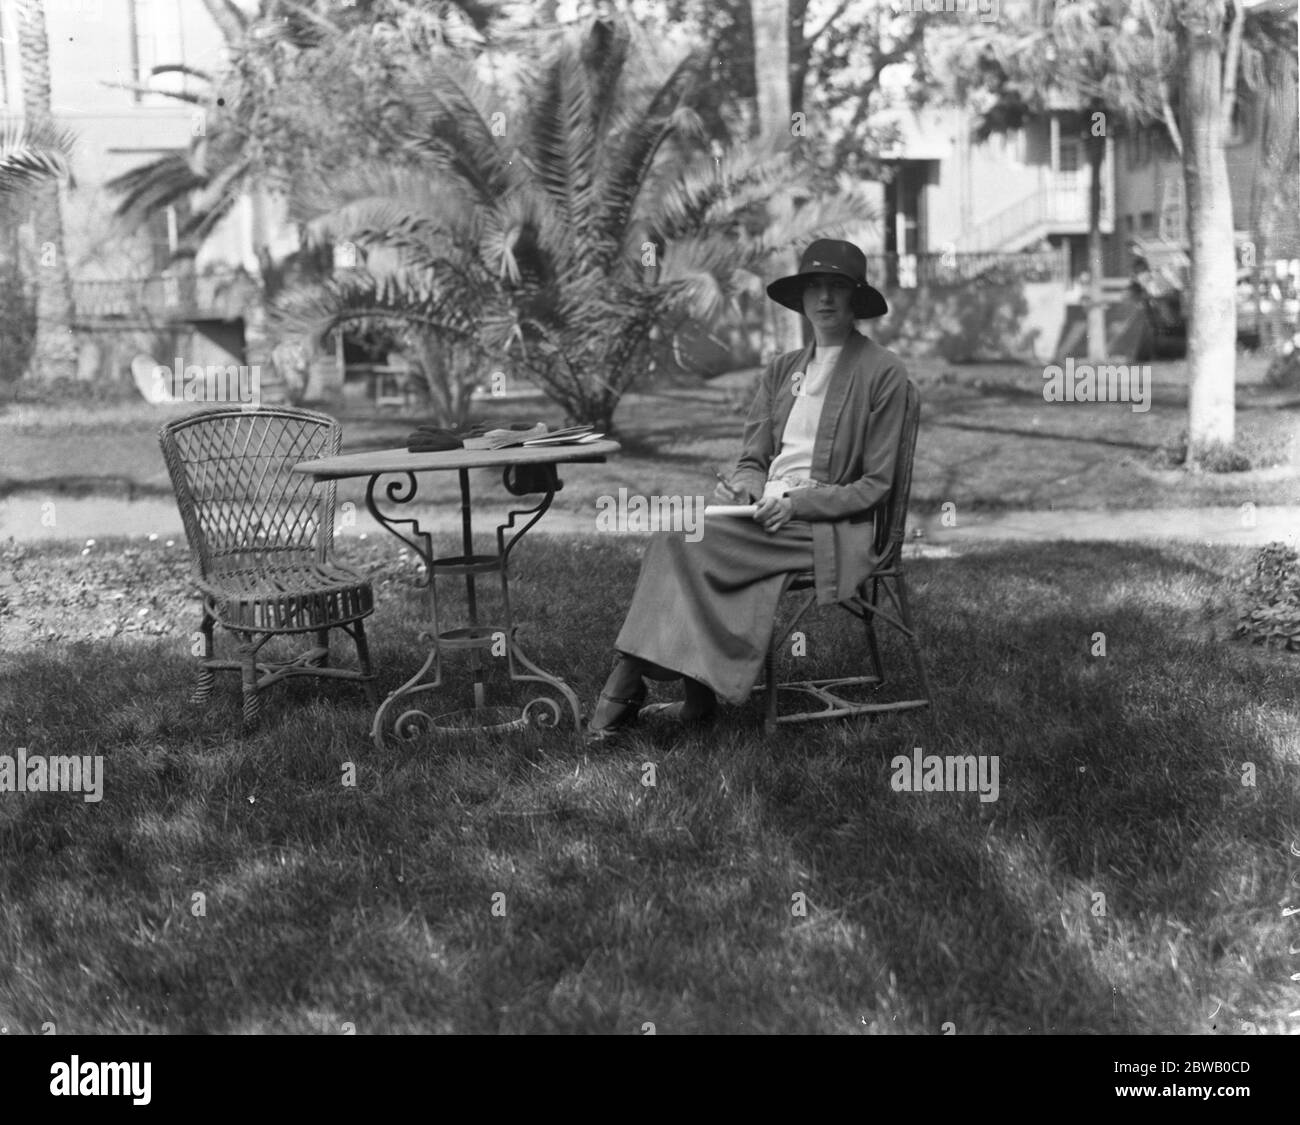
156 40
1141 147
1172 209
1147 222
160 227
1129 225
1068 155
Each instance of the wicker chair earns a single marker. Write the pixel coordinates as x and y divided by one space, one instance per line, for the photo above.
891 524
260 535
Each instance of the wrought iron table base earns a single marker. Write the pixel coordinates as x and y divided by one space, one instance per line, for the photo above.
408 719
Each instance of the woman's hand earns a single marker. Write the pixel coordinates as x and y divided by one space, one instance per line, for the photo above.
724 493
774 512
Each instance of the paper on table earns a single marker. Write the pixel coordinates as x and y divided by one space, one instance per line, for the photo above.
564 439
730 509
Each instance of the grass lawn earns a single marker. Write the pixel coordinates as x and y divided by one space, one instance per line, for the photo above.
1125 880
988 440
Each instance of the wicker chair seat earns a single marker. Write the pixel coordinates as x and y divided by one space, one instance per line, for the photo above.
287 597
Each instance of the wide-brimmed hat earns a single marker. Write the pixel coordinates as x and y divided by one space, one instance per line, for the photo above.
830 255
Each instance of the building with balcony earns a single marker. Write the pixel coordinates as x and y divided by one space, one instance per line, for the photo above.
131 293
948 192
1262 143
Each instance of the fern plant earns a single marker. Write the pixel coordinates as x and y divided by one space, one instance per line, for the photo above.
1272 612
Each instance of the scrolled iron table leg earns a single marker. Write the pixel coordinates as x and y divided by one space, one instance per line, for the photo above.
411 721
541 711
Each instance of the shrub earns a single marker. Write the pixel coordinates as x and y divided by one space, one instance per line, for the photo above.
740 398
1271 615
1284 369
55 392
1252 450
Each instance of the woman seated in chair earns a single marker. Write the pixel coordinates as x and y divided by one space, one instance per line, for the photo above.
818 455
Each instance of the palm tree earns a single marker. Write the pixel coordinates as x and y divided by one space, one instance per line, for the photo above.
564 240
26 159
55 351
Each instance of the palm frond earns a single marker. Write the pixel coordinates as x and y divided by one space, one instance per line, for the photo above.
415 235
638 137
357 296
561 140
149 187
345 200
452 117
705 193
30 156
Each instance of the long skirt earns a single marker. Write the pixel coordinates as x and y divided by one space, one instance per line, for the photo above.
705 609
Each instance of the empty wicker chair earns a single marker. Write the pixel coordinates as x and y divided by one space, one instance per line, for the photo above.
260 536
867 606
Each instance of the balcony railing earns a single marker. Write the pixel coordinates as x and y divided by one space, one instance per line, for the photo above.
164 297
1058 203
913 271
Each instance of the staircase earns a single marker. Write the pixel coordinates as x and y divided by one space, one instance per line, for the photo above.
1057 205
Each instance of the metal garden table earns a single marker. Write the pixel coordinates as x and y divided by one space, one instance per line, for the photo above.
529 471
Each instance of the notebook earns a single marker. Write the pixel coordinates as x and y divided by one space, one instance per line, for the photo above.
537 435
505 437
564 437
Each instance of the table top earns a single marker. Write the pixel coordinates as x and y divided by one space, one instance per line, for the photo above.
380 461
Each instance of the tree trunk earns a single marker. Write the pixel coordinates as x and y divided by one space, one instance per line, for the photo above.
1211 311
55 352
1096 147
259 339
782 330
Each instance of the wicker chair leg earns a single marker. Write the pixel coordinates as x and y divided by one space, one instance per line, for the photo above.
206 678
769 662
248 668
873 643
363 659
252 708
323 641
918 660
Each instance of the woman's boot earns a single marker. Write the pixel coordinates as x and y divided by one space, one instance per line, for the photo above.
620 700
699 708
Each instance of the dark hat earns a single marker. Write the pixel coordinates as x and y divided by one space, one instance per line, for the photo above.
829 255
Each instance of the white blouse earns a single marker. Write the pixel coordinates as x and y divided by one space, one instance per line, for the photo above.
791 468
